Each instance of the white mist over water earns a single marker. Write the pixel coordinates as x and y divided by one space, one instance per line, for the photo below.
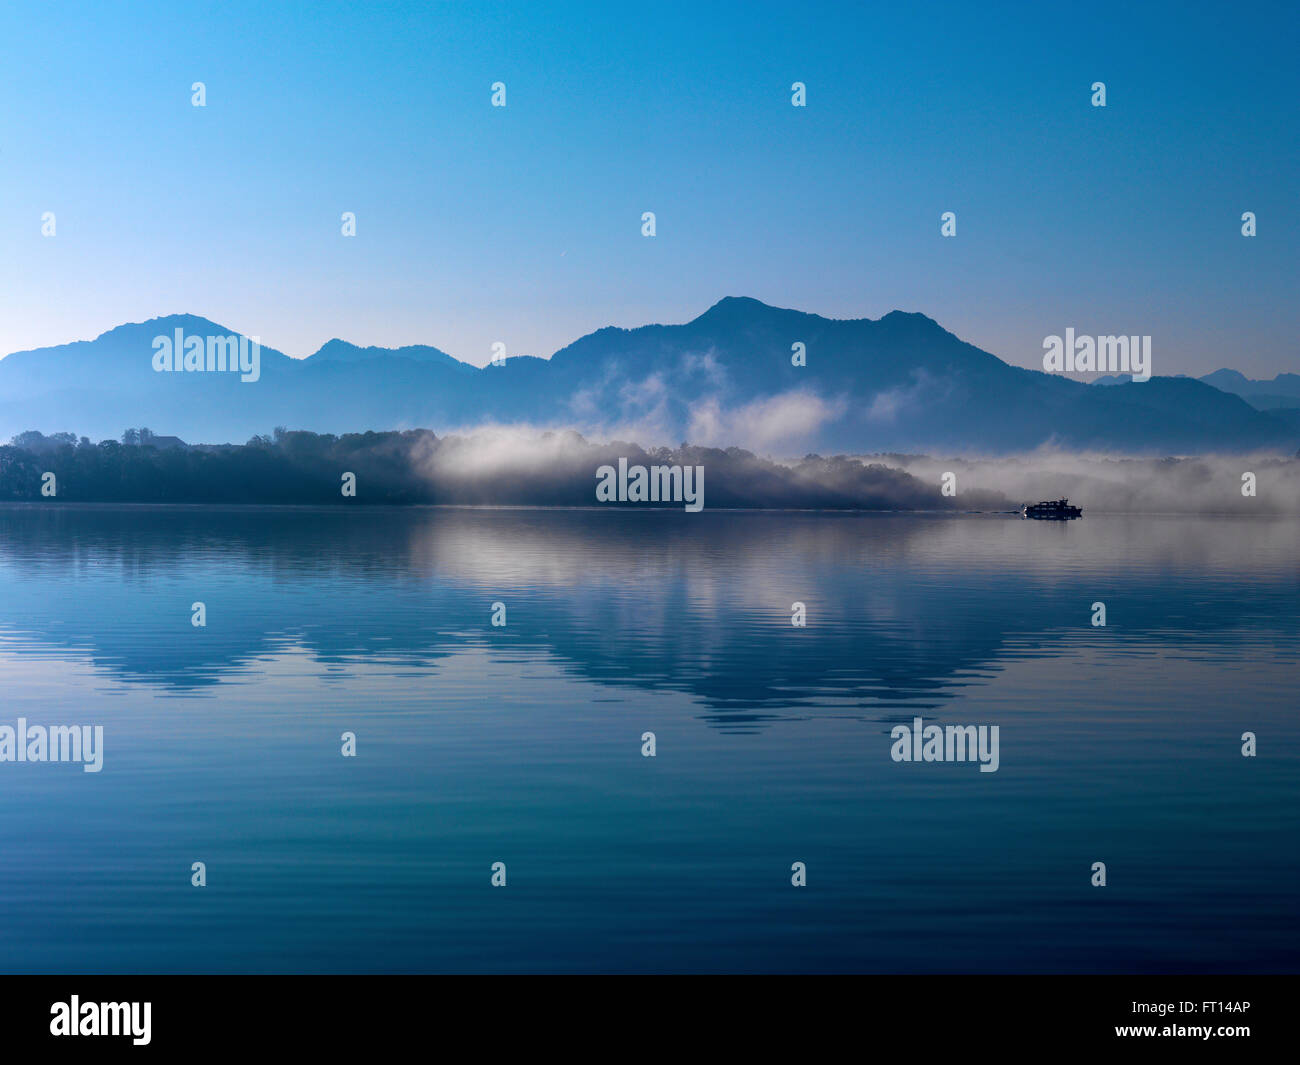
1205 484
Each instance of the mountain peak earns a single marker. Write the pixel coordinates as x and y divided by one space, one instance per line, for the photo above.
336 350
167 323
739 302
731 309
736 309
1225 376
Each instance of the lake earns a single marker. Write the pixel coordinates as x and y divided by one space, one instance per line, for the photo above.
522 743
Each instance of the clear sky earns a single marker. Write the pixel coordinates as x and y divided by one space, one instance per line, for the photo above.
523 224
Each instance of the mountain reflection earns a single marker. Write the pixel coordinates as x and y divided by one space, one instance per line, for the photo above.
903 610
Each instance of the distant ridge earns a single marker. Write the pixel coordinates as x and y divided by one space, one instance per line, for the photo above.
898 383
341 351
1282 392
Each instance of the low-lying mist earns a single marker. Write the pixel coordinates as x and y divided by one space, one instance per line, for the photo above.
1204 484
520 465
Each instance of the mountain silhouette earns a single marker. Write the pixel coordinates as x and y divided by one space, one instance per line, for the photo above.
1281 393
898 383
341 351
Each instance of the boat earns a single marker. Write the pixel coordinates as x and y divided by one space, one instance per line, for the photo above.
1051 510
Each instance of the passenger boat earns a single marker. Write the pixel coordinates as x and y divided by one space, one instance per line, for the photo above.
1052 510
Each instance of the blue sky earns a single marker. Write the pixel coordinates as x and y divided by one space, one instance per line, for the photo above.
477 224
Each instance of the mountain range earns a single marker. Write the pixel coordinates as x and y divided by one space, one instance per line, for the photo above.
1280 393
901 382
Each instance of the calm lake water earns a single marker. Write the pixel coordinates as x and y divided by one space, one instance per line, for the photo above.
522 744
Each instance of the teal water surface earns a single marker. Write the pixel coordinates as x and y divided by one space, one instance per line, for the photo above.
522 743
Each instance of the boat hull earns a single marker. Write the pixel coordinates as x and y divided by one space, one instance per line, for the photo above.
1055 514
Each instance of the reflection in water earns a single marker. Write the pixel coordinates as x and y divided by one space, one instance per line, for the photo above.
522 743
901 609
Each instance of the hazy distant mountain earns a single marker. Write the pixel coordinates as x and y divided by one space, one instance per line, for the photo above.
1282 392
898 383
342 351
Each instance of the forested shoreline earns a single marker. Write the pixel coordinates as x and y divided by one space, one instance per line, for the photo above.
503 468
